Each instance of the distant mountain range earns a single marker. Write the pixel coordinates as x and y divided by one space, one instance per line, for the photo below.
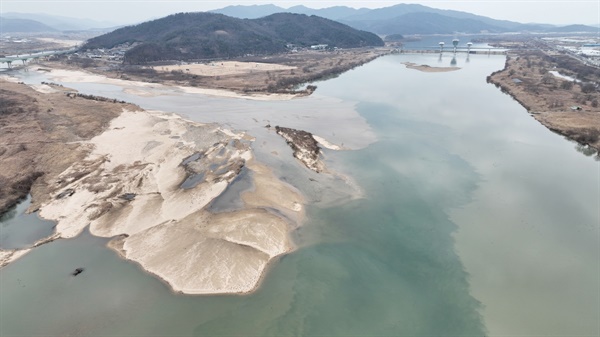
23 26
190 36
51 23
405 19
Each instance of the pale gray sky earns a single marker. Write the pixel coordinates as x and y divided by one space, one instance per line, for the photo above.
131 11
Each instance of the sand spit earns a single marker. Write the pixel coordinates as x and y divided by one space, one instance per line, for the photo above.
224 68
8 256
145 89
429 69
147 181
326 144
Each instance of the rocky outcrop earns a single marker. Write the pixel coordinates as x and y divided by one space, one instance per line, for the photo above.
306 148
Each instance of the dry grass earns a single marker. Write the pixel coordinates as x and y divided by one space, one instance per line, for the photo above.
36 135
550 98
275 73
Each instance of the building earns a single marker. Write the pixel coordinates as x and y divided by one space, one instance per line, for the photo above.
319 47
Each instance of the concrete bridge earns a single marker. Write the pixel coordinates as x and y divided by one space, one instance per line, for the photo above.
24 57
465 50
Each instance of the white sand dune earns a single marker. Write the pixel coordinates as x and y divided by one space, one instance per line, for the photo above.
130 186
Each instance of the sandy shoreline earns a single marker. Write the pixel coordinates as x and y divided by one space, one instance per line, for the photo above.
9 256
326 144
145 89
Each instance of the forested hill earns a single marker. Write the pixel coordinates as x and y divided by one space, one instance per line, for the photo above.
190 36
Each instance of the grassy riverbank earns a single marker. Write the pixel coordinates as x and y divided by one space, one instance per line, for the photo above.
543 85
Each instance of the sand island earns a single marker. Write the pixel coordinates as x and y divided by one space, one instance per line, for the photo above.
146 180
429 69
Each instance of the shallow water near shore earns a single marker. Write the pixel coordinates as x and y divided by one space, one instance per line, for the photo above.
476 220
21 230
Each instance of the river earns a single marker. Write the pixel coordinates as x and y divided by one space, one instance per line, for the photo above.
475 220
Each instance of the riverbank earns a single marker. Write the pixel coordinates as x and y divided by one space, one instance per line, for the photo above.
568 108
146 179
40 137
248 76
146 89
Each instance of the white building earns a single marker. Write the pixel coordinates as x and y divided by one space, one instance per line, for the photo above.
319 47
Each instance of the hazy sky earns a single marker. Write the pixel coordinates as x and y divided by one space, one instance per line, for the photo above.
132 11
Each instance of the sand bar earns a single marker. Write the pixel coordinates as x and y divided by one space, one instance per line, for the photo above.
145 89
326 144
66 43
429 69
224 68
147 181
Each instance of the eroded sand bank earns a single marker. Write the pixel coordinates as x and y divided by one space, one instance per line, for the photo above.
148 180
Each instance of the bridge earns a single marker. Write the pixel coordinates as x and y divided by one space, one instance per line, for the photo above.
467 50
24 57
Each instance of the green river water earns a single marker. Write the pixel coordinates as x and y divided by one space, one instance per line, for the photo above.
475 221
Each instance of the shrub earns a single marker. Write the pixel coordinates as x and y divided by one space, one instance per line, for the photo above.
588 88
567 85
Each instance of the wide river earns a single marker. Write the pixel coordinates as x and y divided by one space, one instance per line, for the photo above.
476 220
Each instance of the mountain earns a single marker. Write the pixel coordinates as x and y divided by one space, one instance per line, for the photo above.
259 11
61 23
407 19
426 23
332 13
391 12
574 29
189 36
389 16
307 30
23 26
249 12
